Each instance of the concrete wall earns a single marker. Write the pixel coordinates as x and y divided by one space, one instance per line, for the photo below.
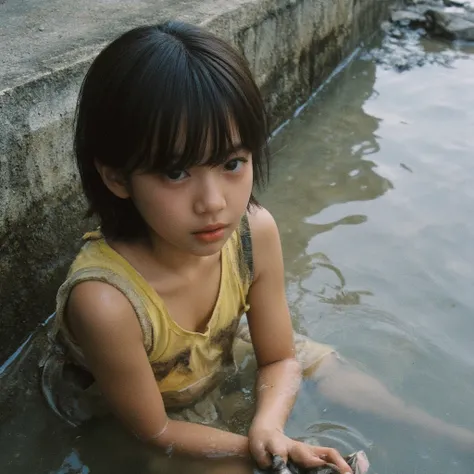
291 45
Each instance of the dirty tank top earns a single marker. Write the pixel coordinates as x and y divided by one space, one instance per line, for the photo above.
186 364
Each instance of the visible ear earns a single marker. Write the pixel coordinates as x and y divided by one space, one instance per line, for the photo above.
113 179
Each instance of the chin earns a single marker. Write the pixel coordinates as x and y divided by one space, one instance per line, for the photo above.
208 249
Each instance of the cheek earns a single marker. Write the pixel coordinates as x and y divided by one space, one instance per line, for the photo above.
240 190
154 202
248 180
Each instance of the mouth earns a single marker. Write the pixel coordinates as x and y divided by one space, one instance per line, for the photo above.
210 229
211 233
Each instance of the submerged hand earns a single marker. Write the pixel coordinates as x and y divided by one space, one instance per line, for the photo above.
307 456
265 442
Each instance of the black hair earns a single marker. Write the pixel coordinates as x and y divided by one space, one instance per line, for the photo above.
147 89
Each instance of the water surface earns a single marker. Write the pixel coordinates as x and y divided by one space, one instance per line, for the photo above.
373 191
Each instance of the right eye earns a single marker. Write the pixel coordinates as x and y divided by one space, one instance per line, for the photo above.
176 175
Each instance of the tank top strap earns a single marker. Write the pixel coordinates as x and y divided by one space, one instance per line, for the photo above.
246 245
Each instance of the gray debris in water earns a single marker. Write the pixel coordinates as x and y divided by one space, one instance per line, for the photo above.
450 25
469 4
357 461
407 18
432 3
403 47
279 466
449 19
403 53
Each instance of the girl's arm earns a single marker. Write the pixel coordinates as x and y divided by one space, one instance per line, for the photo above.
272 337
106 328
270 326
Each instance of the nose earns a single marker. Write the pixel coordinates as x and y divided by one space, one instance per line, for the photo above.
210 196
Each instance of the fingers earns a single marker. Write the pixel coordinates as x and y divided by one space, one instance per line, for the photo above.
263 453
330 455
308 456
260 455
305 458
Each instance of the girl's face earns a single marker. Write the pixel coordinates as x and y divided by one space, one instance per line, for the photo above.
197 209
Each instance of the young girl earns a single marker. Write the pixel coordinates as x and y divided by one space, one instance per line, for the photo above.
171 137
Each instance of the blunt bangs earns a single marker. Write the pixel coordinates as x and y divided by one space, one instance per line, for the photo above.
192 108
164 97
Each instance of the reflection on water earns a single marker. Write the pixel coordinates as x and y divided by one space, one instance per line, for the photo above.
372 191
323 160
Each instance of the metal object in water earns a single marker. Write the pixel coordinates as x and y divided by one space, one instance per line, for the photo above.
357 461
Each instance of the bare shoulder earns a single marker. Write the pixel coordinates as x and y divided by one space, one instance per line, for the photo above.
262 224
268 315
265 238
96 309
107 330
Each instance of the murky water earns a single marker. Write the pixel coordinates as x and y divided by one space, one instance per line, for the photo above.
373 191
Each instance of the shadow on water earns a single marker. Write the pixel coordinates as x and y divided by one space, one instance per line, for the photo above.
335 163
330 144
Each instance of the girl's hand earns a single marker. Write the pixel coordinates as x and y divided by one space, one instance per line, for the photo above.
265 442
307 456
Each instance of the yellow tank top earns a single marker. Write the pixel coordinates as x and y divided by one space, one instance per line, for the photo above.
186 364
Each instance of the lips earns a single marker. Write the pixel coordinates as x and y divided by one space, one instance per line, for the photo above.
210 228
211 233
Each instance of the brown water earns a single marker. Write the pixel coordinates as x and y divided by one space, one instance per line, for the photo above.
373 189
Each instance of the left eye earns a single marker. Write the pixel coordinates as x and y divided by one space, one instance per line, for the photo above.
176 175
234 165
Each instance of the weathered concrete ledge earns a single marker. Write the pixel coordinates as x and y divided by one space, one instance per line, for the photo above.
46 47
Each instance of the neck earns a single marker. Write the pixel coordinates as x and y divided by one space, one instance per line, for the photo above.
171 257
